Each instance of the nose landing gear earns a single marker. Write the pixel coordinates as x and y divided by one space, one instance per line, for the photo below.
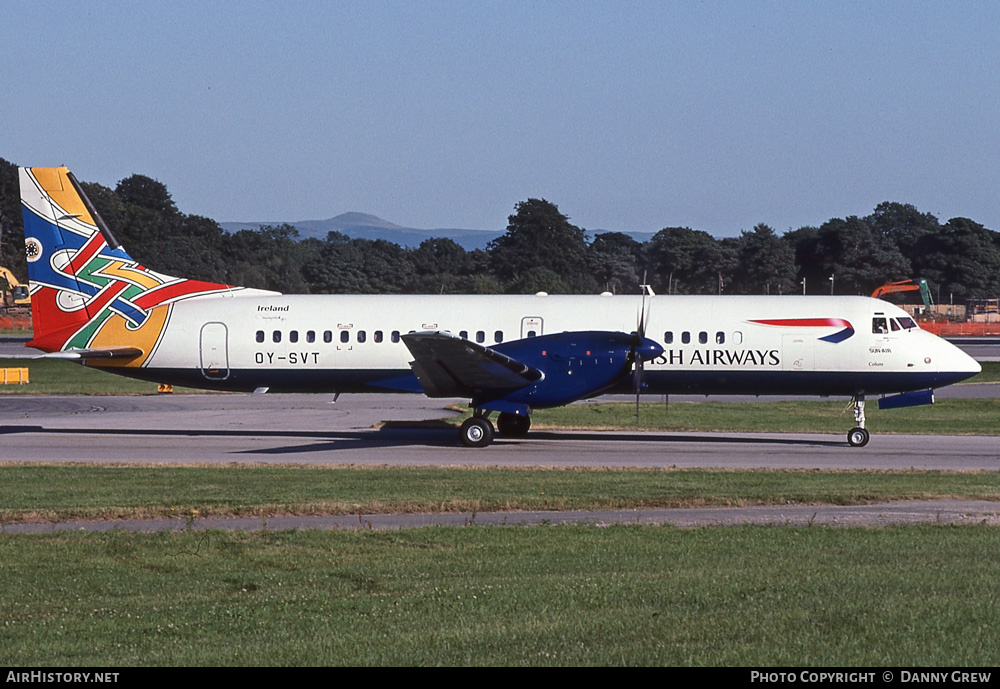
859 435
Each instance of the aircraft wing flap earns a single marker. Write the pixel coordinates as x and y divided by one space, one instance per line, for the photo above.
95 353
449 366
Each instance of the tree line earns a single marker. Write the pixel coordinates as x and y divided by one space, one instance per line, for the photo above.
542 251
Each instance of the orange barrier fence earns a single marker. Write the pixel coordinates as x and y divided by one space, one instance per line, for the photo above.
963 329
10 376
15 322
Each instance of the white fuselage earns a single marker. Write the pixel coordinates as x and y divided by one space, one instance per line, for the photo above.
715 345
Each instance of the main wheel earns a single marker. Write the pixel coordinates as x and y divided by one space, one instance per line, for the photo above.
476 432
858 437
512 425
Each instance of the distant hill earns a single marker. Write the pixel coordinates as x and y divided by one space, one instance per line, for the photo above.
365 226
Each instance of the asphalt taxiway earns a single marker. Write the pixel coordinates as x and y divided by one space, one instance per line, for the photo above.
309 429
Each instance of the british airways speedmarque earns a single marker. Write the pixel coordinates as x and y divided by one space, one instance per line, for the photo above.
93 303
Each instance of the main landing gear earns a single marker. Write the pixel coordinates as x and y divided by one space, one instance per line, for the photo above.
477 431
859 435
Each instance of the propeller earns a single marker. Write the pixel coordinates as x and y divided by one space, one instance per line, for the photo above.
644 349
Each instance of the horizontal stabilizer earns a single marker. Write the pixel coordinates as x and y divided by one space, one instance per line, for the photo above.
449 366
95 353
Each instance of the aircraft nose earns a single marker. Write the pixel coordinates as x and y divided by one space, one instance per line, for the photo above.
968 364
952 360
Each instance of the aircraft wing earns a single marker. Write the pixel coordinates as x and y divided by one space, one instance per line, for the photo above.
95 353
448 366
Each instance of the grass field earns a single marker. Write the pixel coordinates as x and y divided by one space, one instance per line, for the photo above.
745 596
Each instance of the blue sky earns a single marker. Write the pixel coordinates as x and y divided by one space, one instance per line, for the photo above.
628 115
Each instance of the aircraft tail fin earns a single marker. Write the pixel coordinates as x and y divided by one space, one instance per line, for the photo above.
86 291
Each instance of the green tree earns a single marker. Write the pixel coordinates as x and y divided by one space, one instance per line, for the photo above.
11 224
960 259
147 193
804 243
614 261
765 265
539 236
336 267
686 261
903 225
267 258
440 266
859 258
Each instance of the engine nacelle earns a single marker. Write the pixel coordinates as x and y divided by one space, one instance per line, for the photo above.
575 365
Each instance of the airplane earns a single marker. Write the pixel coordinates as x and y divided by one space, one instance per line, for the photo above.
92 303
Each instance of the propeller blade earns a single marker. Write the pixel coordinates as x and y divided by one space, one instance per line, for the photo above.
641 342
643 308
638 387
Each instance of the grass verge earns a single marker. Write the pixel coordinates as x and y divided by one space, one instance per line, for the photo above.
39 493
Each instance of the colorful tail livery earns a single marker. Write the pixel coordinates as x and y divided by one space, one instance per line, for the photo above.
507 354
89 298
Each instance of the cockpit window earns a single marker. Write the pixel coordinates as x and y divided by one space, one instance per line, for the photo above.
893 324
907 323
879 326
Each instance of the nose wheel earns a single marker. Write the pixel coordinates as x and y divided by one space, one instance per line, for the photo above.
859 435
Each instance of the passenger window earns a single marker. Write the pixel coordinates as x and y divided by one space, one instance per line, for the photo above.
293 336
720 337
276 336
737 337
327 336
395 336
686 337
480 336
310 336
378 336
362 336
464 334
703 337
498 336
668 337
260 335
532 333
345 336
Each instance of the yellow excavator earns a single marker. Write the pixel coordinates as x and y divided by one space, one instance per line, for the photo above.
14 297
